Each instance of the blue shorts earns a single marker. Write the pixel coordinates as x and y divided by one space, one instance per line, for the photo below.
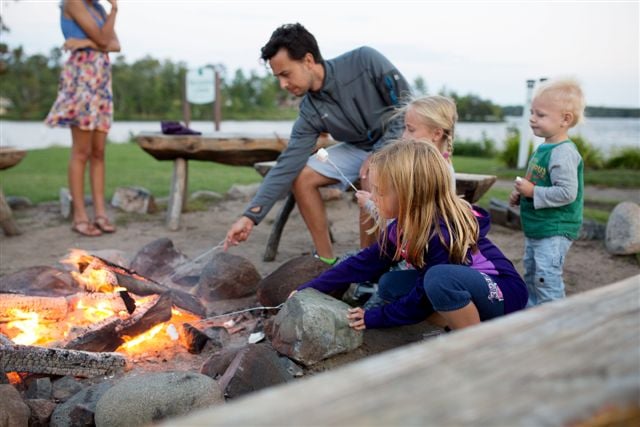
346 157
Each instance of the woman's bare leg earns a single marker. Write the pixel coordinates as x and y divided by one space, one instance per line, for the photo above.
96 172
80 153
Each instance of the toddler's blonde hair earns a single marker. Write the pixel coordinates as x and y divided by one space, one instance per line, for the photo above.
567 93
436 111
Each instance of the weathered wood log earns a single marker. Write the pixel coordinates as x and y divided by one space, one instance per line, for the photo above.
10 157
145 317
58 361
555 364
18 307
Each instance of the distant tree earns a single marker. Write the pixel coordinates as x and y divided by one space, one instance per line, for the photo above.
419 86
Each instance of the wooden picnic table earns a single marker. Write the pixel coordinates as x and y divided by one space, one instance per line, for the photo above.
469 186
227 148
9 157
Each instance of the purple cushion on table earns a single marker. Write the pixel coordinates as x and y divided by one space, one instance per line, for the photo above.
176 128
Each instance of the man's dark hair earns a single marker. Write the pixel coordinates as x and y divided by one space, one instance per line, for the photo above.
296 39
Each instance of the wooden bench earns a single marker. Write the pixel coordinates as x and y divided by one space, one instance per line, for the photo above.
226 148
9 157
469 186
569 362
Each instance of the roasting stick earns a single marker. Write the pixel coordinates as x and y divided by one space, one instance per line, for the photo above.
187 265
323 156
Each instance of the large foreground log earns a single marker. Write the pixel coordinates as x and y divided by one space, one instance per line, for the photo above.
57 361
557 364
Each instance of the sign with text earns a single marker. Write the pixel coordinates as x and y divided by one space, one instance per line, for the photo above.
200 86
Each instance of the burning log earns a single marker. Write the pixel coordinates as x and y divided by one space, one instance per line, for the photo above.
19 307
155 311
101 336
58 361
141 285
109 334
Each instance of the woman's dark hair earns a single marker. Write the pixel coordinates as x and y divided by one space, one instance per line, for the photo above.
296 39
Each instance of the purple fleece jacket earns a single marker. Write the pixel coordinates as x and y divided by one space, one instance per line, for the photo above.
371 263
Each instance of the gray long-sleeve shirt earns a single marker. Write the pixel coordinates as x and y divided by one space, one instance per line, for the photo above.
359 90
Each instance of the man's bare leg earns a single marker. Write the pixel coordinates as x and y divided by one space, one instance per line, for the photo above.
306 190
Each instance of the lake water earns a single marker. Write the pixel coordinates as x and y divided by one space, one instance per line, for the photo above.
604 133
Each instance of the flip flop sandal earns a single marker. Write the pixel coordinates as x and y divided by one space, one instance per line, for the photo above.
85 228
103 223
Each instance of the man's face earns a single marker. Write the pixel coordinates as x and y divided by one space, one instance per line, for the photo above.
294 75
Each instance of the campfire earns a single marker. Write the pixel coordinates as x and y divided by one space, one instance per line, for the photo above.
115 316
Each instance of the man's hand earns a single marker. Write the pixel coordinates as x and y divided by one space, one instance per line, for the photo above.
524 187
239 232
356 318
363 197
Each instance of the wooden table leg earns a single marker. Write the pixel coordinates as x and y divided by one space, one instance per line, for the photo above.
177 194
276 231
7 222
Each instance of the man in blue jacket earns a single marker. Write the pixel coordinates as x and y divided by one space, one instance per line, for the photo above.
351 97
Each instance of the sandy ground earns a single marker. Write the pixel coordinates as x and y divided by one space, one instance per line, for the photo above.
47 238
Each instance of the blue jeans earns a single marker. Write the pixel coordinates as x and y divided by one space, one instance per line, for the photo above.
543 262
448 287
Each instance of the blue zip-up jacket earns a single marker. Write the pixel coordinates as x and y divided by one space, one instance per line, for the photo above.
371 263
359 91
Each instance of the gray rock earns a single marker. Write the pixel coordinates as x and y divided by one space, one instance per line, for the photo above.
158 259
206 196
39 388
39 281
312 326
144 399
216 365
74 411
66 387
65 202
18 202
14 412
276 287
591 230
253 368
242 192
227 276
622 235
134 199
41 410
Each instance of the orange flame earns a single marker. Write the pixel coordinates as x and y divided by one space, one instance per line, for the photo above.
31 331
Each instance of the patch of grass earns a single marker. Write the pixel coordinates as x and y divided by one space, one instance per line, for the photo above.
43 172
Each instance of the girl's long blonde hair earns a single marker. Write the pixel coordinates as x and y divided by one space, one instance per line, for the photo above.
421 180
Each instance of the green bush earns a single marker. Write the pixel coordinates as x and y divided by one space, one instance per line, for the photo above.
625 158
509 155
467 147
591 156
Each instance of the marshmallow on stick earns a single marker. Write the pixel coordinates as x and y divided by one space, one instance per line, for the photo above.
518 179
323 156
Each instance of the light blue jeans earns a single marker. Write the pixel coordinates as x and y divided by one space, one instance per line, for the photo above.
543 262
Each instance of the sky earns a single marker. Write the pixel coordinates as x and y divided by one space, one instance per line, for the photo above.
485 48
